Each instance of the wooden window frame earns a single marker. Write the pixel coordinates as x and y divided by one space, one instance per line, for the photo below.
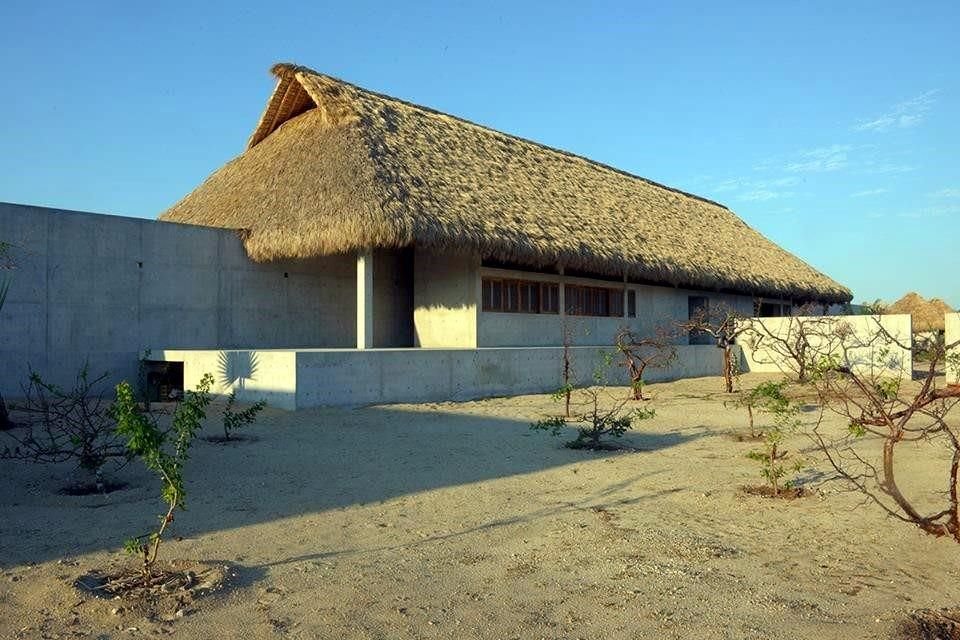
592 301
516 296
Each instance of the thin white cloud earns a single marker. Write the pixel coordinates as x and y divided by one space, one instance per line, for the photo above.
945 193
887 168
868 192
903 115
757 190
728 185
821 159
761 195
932 212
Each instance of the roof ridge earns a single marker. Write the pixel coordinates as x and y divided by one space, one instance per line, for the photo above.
282 68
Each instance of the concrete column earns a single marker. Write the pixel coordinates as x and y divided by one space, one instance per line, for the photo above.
365 299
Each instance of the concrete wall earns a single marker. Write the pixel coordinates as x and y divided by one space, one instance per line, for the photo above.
317 377
393 298
763 355
97 288
656 307
952 336
446 295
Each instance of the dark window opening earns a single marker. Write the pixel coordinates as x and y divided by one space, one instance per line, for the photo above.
631 303
520 296
593 301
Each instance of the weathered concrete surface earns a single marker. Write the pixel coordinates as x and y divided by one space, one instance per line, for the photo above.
952 336
446 298
657 308
100 289
318 377
865 345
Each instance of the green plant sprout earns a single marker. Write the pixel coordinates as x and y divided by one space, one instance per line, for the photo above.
769 398
162 451
233 420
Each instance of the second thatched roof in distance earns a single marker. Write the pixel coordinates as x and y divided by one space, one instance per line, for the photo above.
927 315
333 168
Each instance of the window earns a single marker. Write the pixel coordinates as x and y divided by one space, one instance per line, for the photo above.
594 301
632 303
520 296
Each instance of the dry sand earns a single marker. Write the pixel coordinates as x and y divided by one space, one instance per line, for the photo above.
456 521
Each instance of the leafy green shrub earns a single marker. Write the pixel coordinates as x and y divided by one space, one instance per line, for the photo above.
67 424
602 414
233 420
769 398
163 451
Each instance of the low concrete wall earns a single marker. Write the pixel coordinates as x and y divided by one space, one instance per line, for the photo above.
99 288
952 335
318 377
760 353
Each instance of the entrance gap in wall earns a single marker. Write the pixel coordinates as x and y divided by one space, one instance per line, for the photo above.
163 381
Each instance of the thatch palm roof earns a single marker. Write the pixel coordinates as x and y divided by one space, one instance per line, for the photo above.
927 315
333 168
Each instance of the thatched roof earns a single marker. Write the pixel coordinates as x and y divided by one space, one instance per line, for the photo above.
927 315
332 168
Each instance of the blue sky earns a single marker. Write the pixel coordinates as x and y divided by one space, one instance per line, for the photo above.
830 127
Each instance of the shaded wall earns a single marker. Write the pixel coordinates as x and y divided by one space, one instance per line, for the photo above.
393 298
98 288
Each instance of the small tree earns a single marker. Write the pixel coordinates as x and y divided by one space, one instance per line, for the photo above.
602 414
233 420
566 389
723 325
639 353
863 380
67 424
769 398
162 451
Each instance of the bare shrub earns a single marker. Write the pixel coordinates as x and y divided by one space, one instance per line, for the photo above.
786 343
639 353
67 425
723 325
866 382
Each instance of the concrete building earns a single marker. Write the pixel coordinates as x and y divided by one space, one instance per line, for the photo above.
357 222
478 233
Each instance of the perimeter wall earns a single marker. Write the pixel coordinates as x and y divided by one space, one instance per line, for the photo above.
94 288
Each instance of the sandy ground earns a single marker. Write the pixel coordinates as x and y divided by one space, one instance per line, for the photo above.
456 521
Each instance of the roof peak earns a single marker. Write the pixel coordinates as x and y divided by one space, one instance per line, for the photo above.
286 73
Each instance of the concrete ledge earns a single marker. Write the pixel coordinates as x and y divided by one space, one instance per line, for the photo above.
294 379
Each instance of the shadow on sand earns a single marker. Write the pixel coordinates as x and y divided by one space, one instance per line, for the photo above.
305 462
